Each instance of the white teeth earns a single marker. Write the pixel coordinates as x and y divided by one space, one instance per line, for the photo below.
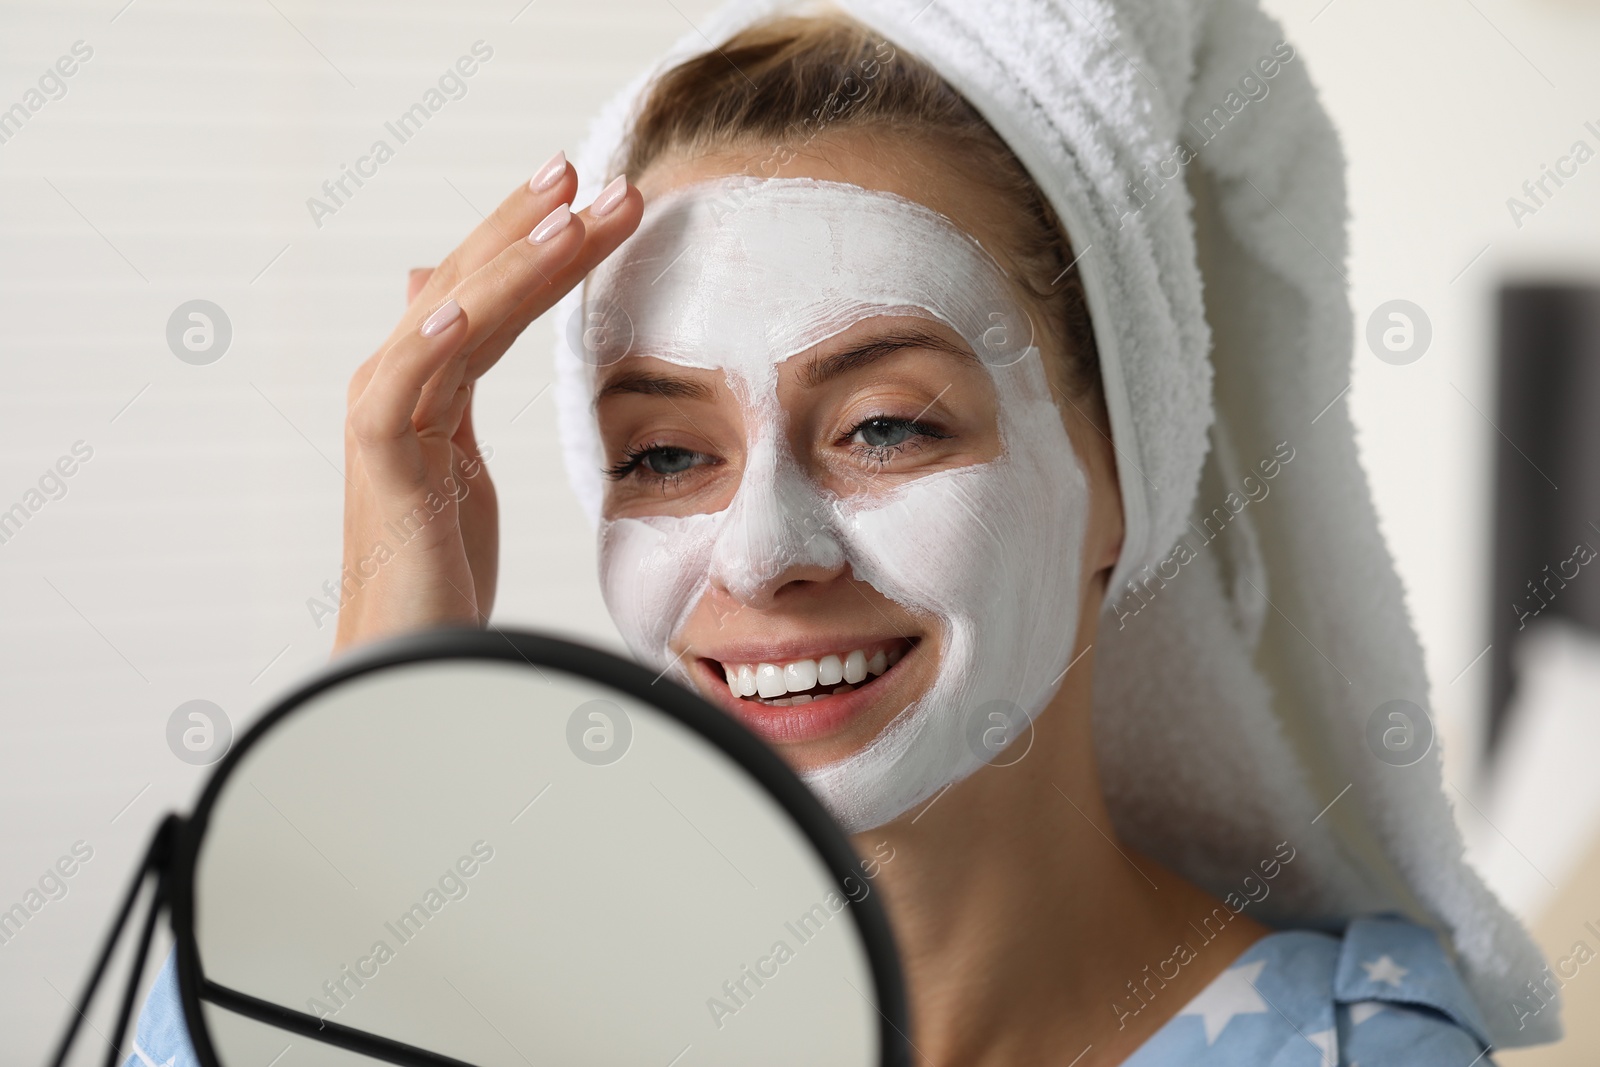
799 677
787 702
769 680
772 681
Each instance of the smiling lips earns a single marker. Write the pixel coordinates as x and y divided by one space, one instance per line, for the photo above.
802 681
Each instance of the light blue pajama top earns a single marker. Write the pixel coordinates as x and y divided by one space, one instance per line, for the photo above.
1385 993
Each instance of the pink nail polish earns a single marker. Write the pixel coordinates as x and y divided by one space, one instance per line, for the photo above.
447 313
553 224
609 197
550 173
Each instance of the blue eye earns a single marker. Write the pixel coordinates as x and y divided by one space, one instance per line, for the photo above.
661 462
881 438
667 460
884 432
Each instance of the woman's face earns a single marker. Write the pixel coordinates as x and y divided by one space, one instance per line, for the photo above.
889 400
870 547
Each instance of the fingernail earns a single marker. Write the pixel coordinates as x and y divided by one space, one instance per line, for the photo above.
550 173
609 197
553 224
441 318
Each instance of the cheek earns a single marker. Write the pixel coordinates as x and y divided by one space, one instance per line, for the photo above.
926 549
985 538
651 573
993 551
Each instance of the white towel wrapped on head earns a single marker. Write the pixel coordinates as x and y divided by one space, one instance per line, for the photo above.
1255 624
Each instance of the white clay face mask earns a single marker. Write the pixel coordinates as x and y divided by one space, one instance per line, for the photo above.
738 274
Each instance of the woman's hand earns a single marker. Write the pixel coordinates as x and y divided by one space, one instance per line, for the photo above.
421 520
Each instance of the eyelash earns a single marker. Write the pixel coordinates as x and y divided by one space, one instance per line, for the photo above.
881 454
634 456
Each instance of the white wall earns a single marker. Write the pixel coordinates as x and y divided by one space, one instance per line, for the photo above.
177 166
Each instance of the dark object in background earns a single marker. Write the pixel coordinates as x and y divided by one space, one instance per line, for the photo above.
1547 472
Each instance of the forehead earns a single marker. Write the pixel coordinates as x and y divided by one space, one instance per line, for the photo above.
920 166
740 272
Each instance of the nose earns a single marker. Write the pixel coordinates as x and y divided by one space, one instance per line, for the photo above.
778 530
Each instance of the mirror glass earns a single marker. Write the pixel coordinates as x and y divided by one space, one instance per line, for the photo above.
506 864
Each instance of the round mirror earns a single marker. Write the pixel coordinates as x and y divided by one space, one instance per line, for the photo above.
501 849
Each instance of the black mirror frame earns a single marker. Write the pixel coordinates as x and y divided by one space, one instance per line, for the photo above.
605 668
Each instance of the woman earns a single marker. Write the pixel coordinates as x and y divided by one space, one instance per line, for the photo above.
892 466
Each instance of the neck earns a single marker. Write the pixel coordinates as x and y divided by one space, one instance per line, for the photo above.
1028 931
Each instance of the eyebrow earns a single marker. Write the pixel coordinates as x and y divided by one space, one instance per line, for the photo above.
645 383
817 372
822 370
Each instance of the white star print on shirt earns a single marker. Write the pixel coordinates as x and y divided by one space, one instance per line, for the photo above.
1384 969
1232 993
1362 1010
145 1056
1325 1044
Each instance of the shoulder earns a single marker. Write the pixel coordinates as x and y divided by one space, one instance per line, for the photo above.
1382 993
161 1038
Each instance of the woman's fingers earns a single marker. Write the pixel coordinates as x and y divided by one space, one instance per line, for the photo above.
416 378
479 514
520 275
449 338
415 281
614 224
554 183
380 419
